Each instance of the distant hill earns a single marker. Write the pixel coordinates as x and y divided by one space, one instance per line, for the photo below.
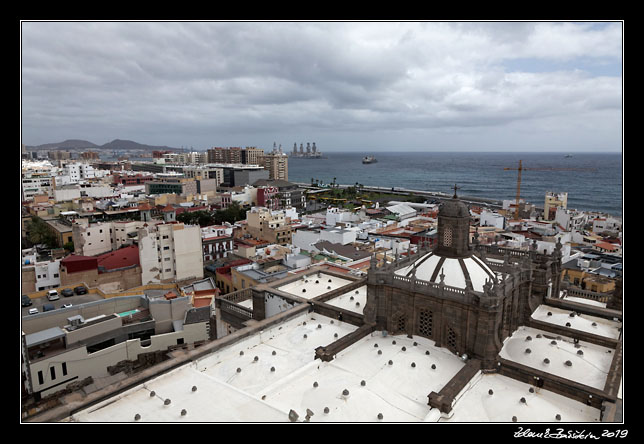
65 145
116 144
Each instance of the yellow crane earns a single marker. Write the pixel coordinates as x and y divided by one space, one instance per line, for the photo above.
521 168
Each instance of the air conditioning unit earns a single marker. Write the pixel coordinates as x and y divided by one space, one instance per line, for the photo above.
76 321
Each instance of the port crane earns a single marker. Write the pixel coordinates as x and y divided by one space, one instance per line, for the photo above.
521 168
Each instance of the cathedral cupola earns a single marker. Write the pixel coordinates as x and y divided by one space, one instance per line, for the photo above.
453 228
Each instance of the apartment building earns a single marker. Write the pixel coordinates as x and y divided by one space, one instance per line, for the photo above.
288 194
552 202
276 163
35 183
244 156
69 345
94 239
570 220
170 252
217 241
607 224
268 225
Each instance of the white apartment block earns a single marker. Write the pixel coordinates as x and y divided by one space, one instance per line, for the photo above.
603 224
571 220
47 275
170 252
35 183
490 219
102 237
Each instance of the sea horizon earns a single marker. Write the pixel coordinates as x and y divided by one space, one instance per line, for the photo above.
593 180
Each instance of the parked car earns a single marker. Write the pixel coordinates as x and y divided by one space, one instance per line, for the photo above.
33 311
67 292
80 290
26 301
52 295
48 307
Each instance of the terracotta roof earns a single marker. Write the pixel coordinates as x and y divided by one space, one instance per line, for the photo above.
145 207
201 302
167 209
606 245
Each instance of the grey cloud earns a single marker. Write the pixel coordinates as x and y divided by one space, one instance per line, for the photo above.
255 78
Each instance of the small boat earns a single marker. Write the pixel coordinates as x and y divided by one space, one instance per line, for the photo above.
369 159
568 156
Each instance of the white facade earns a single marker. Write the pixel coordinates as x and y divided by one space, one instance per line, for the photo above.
92 240
607 224
170 252
304 239
490 219
338 236
35 183
66 194
570 220
335 216
47 275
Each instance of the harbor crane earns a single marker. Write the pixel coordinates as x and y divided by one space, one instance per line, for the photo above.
521 168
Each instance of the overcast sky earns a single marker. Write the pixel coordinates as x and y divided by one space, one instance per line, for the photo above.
433 86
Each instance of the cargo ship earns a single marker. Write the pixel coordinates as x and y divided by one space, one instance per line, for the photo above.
369 159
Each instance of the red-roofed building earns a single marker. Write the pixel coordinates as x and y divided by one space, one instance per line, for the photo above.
75 264
121 258
117 270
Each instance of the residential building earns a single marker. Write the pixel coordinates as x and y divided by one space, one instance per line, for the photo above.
38 273
244 156
606 225
268 225
570 220
490 219
98 238
552 202
217 241
288 193
35 183
170 252
276 163
130 179
69 345
268 196
113 271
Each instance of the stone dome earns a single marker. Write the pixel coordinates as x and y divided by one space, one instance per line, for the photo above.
456 271
453 208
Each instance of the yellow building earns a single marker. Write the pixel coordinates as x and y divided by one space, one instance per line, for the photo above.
554 201
276 163
267 225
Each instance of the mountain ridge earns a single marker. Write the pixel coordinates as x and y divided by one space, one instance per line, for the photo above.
116 144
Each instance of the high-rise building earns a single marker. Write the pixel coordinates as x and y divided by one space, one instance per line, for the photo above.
276 163
245 156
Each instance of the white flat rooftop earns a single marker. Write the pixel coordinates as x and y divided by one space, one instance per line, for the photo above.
353 300
476 404
286 377
585 301
311 286
590 324
590 367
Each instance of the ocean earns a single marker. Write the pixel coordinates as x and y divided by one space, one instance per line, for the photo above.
478 175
